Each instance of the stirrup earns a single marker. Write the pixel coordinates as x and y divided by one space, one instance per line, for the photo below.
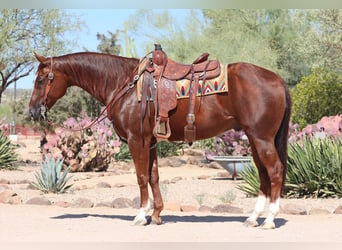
162 129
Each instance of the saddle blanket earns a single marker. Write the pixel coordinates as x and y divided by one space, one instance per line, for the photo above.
211 86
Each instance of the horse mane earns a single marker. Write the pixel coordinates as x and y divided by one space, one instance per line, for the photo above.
92 65
96 73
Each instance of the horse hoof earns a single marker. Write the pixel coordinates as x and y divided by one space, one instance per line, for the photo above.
249 223
267 225
139 222
156 221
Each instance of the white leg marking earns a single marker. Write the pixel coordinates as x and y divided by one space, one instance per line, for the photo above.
273 211
140 219
259 208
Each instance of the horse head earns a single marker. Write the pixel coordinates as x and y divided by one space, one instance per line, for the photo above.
50 85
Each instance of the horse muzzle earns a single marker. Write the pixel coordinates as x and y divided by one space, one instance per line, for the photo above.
38 113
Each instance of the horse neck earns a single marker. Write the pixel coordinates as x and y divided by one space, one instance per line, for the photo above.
98 74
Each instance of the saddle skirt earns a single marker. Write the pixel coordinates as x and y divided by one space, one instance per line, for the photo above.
209 87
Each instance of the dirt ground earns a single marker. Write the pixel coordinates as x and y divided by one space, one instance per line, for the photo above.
186 186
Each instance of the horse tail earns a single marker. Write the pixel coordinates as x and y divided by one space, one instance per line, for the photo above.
281 139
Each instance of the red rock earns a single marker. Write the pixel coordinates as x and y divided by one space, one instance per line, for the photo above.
205 209
5 195
188 208
172 206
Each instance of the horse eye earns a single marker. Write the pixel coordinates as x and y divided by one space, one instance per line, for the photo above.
40 80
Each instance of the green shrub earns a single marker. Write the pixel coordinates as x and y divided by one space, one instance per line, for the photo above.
314 169
51 179
8 156
165 149
315 96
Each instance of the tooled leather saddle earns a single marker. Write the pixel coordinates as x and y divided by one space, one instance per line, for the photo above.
160 76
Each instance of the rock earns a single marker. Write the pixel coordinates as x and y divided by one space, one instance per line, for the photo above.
83 203
5 195
203 177
41 201
194 152
136 202
214 165
122 203
188 208
176 179
4 181
226 208
171 162
62 204
205 209
15 200
317 211
23 182
172 206
31 187
104 204
3 187
293 209
103 185
121 185
224 175
338 210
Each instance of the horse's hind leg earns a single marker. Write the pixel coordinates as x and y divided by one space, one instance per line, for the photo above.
154 183
264 190
271 179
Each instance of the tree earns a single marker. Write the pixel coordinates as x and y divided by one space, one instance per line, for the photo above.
323 43
108 44
317 95
26 30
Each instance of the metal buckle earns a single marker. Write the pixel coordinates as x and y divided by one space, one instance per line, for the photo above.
50 76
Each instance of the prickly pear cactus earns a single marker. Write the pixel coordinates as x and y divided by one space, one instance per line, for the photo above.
87 150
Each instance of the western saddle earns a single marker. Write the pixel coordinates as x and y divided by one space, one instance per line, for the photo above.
161 74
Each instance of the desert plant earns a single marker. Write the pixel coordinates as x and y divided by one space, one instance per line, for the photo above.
228 197
315 168
252 182
233 143
316 95
8 156
89 149
51 178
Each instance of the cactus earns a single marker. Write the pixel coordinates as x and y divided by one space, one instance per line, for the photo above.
87 150
51 179
8 156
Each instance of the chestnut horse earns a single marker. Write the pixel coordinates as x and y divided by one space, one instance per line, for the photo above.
258 102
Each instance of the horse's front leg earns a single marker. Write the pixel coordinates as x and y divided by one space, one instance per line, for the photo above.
154 183
141 157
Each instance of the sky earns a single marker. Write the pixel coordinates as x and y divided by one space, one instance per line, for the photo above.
98 20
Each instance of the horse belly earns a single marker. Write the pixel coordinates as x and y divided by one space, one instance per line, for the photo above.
210 120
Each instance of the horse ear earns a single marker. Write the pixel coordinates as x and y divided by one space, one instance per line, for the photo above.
40 58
